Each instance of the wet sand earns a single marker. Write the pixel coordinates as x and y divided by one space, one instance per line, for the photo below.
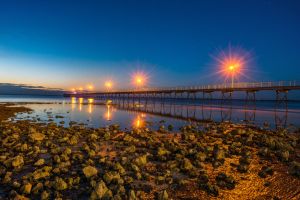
208 161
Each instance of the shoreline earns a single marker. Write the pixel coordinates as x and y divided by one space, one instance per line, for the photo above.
216 161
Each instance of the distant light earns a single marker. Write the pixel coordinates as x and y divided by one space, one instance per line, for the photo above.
90 87
108 84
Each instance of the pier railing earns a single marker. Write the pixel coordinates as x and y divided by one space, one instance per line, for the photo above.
224 86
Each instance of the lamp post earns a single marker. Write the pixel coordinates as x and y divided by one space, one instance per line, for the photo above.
231 70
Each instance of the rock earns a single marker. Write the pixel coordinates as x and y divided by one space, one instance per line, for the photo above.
40 174
119 168
170 127
38 187
162 151
225 181
201 156
131 195
37 136
68 151
7 178
39 162
60 184
141 160
73 140
90 171
130 149
17 162
26 189
187 165
212 189
111 176
265 170
100 191
218 153
24 147
45 195
163 195
129 138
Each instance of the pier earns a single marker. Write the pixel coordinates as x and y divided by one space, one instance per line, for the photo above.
280 88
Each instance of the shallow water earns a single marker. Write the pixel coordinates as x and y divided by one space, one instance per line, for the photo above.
128 113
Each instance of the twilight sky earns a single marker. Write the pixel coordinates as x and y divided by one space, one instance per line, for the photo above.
72 43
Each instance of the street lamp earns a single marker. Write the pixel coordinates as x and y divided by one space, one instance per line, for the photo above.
232 68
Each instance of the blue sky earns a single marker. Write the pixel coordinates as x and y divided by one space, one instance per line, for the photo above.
66 44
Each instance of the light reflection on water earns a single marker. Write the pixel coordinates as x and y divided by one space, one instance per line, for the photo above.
133 114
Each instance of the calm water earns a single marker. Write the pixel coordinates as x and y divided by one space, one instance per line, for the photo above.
130 113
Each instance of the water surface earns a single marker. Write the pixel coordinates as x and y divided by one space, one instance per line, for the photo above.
128 113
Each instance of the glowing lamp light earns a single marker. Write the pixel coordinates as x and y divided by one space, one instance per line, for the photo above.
108 84
139 79
233 64
90 87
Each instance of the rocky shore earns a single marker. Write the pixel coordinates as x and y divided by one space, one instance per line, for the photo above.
204 161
